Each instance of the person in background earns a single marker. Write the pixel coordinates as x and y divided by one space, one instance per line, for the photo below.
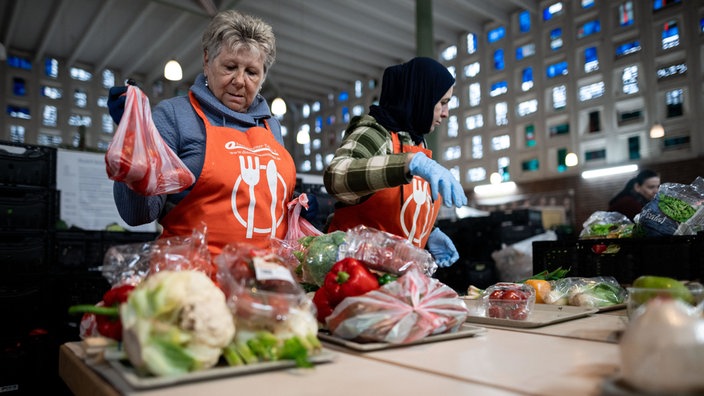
224 133
637 192
382 175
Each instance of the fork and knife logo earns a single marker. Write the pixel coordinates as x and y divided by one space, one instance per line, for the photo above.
416 201
251 170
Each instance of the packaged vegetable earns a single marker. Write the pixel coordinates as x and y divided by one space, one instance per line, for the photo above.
677 209
385 252
596 292
409 309
273 315
176 322
317 254
603 224
138 155
508 300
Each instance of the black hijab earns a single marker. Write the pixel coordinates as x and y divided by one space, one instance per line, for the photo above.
409 93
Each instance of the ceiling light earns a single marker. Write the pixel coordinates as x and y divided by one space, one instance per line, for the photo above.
172 71
657 131
278 107
303 137
571 159
590 174
495 189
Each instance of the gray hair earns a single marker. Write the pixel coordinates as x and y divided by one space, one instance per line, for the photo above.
236 31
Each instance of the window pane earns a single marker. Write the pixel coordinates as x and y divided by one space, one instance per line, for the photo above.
50 116
498 88
591 91
527 79
629 77
499 59
501 116
472 70
591 60
471 43
496 34
670 35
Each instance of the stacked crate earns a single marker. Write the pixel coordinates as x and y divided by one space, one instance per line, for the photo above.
29 205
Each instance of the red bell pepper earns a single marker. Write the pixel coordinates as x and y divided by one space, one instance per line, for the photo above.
107 315
347 278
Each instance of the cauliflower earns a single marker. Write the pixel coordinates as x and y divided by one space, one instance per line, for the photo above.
175 322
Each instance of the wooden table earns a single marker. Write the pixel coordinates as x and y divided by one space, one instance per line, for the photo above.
556 360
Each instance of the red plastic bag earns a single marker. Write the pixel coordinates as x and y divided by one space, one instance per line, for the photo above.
139 157
298 226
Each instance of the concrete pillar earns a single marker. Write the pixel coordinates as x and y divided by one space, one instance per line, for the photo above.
425 46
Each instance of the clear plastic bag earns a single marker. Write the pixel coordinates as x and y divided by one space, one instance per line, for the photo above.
677 209
407 310
603 224
385 252
595 292
263 294
131 263
138 155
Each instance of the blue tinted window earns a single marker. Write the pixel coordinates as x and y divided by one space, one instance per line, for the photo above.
556 39
591 60
628 48
499 59
557 69
51 68
660 4
343 96
552 10
587 3
527 79
19 86
670 35
625 14
498 88
497 34
19 63
589 28
525 51
524 21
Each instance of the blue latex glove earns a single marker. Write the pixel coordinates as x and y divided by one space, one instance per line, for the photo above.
442 249
440 179
116 102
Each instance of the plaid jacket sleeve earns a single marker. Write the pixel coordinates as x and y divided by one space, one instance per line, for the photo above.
363 164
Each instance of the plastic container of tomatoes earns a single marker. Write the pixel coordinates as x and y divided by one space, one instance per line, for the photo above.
514 301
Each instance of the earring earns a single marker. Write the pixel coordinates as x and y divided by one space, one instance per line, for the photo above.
206 82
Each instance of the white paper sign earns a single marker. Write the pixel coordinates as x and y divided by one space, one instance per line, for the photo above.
86 192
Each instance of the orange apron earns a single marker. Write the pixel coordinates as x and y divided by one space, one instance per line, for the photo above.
407 211
242 191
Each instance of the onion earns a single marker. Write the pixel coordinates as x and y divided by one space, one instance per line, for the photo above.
662 350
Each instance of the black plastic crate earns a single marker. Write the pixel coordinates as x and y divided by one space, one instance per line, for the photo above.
625 259
22 164
24 305
525 217
25 251
73 289
26 208
78 250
